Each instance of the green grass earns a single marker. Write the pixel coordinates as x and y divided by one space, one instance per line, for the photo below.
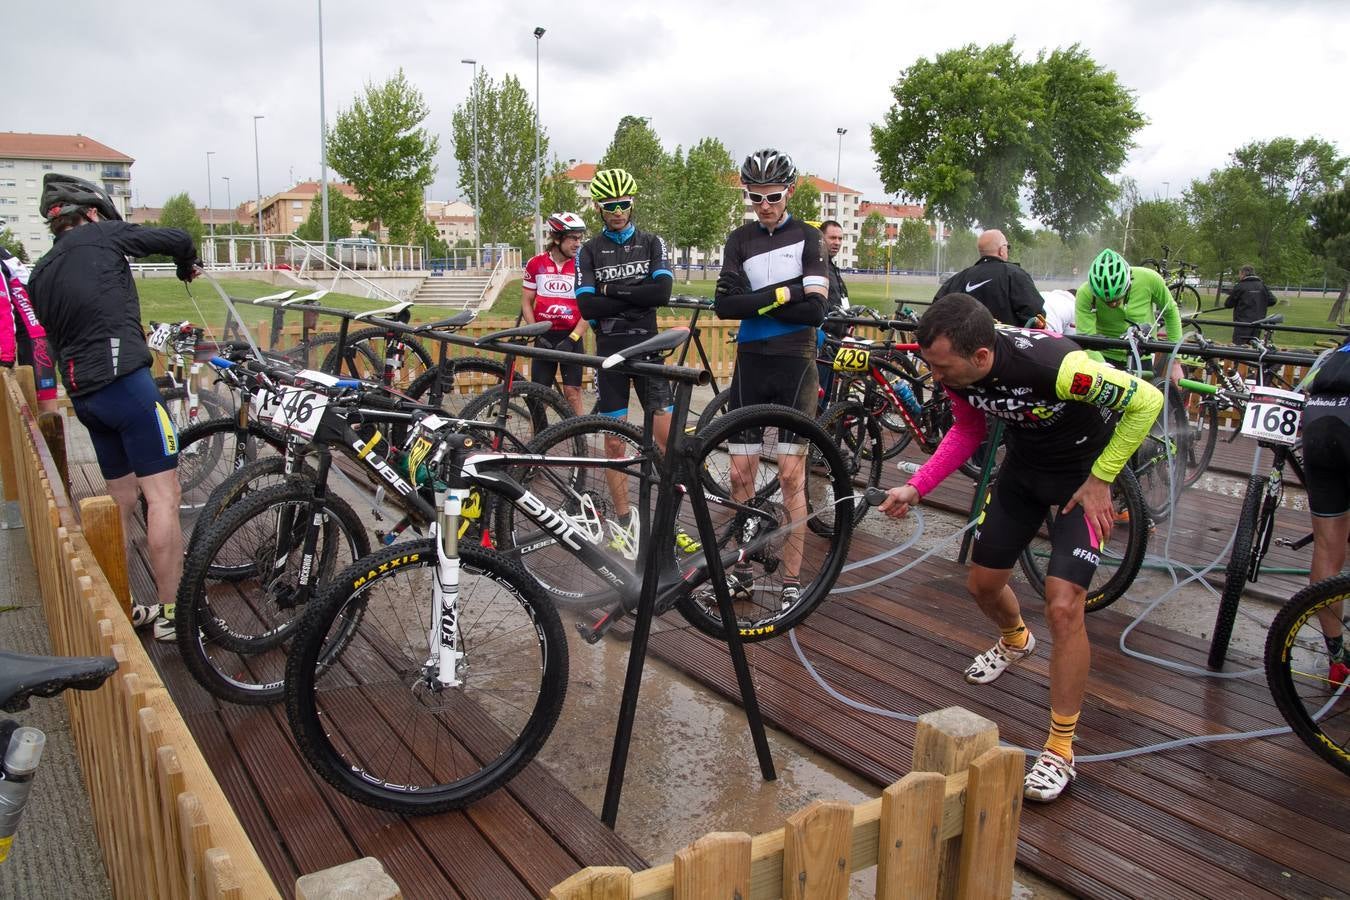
168 300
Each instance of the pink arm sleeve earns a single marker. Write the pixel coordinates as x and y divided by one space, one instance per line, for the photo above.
955 448
7 343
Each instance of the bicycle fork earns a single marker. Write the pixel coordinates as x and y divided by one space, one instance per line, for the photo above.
443 643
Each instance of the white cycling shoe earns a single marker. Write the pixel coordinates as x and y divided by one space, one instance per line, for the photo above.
993 662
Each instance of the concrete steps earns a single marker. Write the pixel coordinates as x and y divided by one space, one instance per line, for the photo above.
455 291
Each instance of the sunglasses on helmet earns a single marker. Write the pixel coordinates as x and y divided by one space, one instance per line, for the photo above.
758 198
610 206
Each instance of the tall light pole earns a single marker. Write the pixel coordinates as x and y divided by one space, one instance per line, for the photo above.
538 201
838 159
257 172
229 200
323 138
210 214
473 107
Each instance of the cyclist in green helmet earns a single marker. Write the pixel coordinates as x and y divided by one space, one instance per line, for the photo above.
1118 295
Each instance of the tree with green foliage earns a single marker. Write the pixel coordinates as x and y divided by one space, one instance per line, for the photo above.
1154 223
959 250
701 198
913 245
431 241
1328 236
871 252
10 241
379 147
975 129
805 200
558 193
179 212
506 158
339 218
637 149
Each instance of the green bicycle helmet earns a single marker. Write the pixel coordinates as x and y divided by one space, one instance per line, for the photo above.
1109 276
611 184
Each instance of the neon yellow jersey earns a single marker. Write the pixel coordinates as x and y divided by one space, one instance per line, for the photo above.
1147 301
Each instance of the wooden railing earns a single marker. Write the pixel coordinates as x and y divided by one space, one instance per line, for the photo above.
165 826
947 829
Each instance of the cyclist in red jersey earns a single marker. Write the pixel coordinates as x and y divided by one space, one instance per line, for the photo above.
549 294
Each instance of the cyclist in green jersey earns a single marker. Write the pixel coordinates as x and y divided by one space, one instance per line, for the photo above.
1118 295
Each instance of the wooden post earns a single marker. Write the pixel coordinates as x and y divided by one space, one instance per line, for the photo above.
817 842
596 883
993 813
715 865
27 385
947 742
8 472
909 847
102 524
196 837
53 427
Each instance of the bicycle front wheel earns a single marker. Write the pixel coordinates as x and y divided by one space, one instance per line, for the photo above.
1308 686
232 633
859 439
1121 555
1236 573
527 410
376 723
365 356
461 380
785 466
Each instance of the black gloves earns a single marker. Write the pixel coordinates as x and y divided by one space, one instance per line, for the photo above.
188 269
731 283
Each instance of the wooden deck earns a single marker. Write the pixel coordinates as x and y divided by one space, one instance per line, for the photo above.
1249 818
517 842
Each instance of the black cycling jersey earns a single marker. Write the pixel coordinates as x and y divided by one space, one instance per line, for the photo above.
84 295
621 280
793 256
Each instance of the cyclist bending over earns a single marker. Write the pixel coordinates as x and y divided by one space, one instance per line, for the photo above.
1062 452
774 279
1118 295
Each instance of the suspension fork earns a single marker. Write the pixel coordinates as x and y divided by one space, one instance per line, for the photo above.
443 643
286 525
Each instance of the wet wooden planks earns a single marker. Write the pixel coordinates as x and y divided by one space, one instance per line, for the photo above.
517 842
1248 818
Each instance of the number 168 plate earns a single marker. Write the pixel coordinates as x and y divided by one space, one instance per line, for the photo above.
1273 415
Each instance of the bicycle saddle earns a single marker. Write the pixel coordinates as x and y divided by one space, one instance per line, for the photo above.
533 330
666 340
23 676
459 320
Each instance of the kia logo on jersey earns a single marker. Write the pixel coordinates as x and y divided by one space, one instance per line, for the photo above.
556 285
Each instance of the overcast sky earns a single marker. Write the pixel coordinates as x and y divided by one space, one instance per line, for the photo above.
164 81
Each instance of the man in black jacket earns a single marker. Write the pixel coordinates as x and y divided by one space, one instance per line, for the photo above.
1249 299
832 239
1003 288
84 294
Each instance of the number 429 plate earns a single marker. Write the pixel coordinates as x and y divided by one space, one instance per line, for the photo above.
1273 415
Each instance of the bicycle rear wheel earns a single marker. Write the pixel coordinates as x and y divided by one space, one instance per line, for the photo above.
365 354
462 379
768 525
232 633
1121 555
859 439
1237 572
1309 693
528 409
1187 298
373 722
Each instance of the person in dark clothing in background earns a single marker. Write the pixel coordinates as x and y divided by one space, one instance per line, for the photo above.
1249 299
1004 289
832 238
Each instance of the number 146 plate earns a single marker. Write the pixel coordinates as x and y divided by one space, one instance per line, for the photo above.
1273 415
299 411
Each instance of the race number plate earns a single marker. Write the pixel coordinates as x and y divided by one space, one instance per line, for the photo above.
1273 415
852 359
300 411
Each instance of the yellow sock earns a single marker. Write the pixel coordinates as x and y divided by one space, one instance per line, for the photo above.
1016 636
1061 734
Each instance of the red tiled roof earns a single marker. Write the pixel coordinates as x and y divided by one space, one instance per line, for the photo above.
581 172
891 210
142 214
830 187
312 189
20 145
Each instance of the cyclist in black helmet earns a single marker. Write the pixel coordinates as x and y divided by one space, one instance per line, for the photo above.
775 280
84 294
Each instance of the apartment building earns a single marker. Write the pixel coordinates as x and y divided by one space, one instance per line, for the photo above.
25 158
453 220
286 211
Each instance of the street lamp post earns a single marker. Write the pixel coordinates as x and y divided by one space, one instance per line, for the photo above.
210 214
229 200
838 159
323 138
538 201
257 173
473 107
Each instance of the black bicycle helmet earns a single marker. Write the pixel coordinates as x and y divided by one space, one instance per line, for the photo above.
62 194
768 167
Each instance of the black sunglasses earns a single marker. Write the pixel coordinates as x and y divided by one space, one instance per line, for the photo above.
757 199
616 205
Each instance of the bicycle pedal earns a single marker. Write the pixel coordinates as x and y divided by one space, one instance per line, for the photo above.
590 635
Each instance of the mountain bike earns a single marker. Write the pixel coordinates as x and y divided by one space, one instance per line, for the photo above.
453 663
1178 279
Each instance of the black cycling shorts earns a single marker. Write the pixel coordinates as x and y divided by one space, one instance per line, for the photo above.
129 427
1326 454
785 380
652 392
543 371
1019 502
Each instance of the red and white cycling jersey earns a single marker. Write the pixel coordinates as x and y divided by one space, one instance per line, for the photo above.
553 287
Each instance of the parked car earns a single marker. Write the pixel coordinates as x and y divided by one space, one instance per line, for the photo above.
357 253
